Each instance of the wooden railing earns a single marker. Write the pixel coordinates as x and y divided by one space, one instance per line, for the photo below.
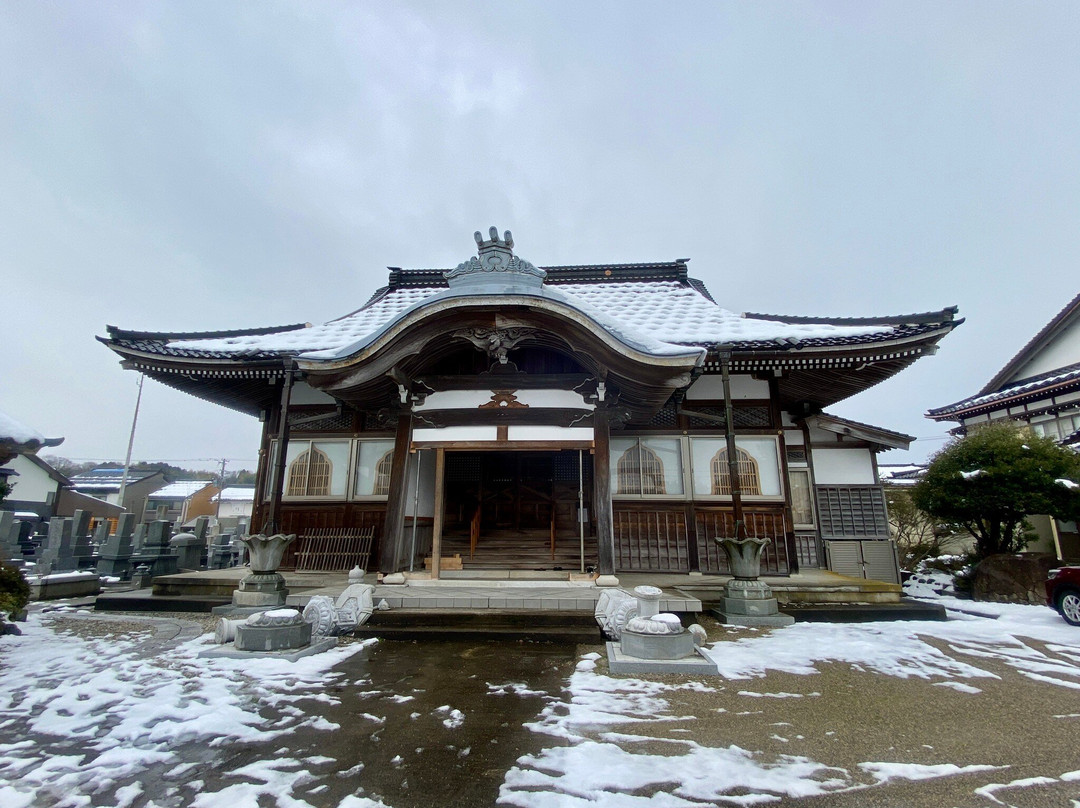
474 532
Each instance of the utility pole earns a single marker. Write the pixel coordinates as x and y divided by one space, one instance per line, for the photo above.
131 443
221 490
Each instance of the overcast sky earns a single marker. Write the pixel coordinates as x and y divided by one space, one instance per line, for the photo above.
199 166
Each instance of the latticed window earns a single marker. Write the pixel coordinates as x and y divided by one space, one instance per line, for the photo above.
309 474
749 477
640 471
382 474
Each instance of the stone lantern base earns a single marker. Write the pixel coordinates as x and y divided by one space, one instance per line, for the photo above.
750 603
262 589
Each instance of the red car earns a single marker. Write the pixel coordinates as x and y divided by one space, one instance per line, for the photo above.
1063 593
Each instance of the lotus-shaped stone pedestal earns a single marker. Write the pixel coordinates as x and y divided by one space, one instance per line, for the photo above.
264 586
748 601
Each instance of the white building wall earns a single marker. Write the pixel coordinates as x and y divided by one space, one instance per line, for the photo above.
33 483
742 387
1063 350
843 466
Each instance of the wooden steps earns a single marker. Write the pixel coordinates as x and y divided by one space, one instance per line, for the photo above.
520 550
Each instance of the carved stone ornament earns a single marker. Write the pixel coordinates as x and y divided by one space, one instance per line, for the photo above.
496 257
266 551
503 400
664 623
744 556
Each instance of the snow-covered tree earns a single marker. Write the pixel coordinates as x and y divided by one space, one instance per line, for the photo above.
990 480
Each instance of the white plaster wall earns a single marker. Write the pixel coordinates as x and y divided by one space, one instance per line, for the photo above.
742 387
304 393
472 399
425 505
1063 350
794 437
457 433
843 466
575 433
33 483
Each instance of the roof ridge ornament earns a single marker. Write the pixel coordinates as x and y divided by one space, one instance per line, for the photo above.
495 264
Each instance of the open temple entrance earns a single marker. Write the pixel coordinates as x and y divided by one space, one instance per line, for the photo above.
519 510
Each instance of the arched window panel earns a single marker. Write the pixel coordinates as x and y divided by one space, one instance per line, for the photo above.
747 469
646 467
316 468
759 467
374 462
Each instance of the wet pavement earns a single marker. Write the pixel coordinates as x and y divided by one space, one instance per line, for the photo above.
429 723
408 723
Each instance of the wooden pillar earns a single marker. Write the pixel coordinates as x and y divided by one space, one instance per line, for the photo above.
732 450
394 527
605 534
440 509
272 524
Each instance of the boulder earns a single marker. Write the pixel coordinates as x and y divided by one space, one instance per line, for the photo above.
1013 578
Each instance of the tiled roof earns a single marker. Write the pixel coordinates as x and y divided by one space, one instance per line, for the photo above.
1022 389
1033 345
652 305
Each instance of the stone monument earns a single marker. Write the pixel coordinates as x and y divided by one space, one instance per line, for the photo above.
264 587
748 601
652 641
331 617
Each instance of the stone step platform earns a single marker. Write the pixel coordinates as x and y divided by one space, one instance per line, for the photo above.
480 624
145 600
863 612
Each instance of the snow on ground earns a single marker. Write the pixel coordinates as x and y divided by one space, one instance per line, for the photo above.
112 712
604 768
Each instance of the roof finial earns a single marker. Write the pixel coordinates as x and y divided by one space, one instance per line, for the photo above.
496 258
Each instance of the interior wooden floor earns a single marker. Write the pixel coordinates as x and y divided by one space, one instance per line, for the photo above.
520 550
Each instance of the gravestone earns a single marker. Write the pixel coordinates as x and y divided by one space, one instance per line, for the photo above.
156 552
115 558
221 552
56 553
10 527
101 533
188 548
82 548
138 538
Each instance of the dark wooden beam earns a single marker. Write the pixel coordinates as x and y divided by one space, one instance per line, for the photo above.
390 555
605 534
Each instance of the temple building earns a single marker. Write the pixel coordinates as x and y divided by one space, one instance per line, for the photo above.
609 418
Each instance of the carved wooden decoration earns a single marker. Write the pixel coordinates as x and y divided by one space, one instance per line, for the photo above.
504 400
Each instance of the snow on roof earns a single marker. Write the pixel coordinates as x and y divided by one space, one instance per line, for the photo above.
107 479
657 316
181 489
237 493
17 433
900 474
1024 387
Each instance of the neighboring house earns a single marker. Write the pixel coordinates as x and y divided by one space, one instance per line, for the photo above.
34 483
181 502
236 503
900 475
502 408
36 487
104 484
1040 387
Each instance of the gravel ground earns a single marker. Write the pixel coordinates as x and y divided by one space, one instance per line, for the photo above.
840 717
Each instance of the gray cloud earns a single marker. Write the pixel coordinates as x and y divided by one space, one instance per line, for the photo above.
207 165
